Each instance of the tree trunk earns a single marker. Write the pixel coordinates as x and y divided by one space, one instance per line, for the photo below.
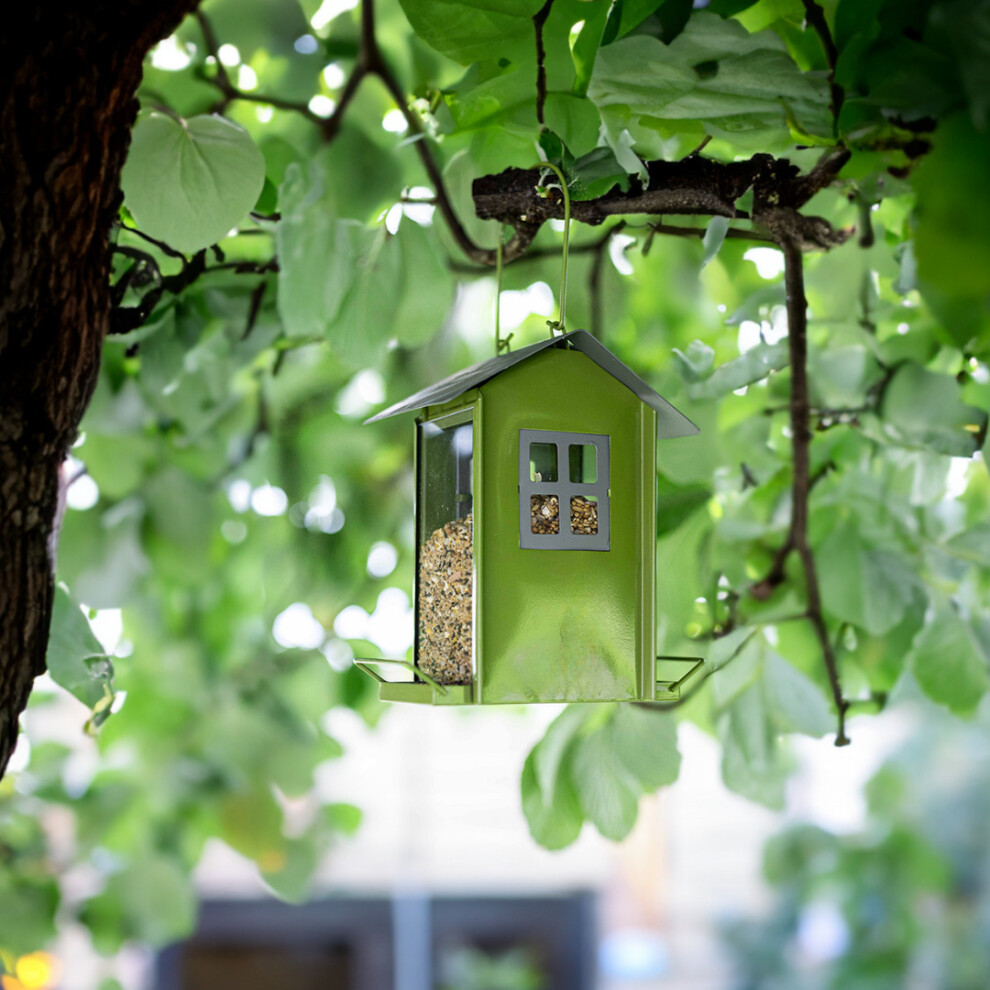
68 80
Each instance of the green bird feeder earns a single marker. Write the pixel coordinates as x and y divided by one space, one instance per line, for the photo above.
536 491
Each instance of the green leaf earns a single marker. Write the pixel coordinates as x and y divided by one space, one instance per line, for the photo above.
75 658
188 182
841 376
595 174
27 911
729 8
923 408
551 749
966 31
714 238
645 741
626 15
948 661
292 878
585 48
753 366
738 665
606 789
951 242
863 585
972 545
554 821
549 799
342 817
795 701
696 363
472 31
576 120
251 823
366 319
761 15
318 253
156 896
745 83
752 764
426 288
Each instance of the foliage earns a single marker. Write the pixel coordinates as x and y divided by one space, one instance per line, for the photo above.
904 899
237 485
466 968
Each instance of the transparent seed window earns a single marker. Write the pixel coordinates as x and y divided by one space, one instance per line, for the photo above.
563 490
445 536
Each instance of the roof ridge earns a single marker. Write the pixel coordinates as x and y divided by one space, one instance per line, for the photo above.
670 421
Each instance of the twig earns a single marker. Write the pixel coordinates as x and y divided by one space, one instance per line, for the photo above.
331 126
539 20
222 81
123 319
764 588
864 208
254 307
705 141
797 340
815 17
161 245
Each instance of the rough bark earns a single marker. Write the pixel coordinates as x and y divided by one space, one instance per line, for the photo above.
68 78
693 186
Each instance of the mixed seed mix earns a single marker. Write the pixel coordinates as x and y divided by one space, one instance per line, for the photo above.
445 587
584 516
545 514
544 511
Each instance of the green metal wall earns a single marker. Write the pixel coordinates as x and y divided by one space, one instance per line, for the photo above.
564 625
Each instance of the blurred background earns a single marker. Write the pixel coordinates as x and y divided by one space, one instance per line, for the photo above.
876 871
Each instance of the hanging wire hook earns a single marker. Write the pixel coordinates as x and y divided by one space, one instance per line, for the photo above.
500 344
557 326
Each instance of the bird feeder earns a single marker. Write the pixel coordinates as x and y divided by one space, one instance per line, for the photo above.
536 492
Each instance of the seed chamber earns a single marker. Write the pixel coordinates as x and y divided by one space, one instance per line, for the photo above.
445 540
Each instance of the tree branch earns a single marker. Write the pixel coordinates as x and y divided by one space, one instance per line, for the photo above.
692 186
371 62
815 17
797 342
222 82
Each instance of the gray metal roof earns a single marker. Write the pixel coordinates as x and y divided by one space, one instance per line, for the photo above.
670 422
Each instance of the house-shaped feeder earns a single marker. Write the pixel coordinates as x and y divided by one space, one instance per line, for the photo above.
536 532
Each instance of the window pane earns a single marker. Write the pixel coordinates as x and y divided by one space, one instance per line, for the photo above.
584 463
584 515
542 462
445 581
544 512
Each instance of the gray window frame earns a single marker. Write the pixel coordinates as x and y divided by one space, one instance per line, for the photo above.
564 489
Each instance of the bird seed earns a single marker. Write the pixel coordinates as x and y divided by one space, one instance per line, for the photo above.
446 567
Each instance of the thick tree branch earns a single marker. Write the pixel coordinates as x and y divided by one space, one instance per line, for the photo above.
692 186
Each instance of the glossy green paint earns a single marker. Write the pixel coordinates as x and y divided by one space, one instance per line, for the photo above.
565 625
558 625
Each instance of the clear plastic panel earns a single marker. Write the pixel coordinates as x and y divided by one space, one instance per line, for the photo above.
445 529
